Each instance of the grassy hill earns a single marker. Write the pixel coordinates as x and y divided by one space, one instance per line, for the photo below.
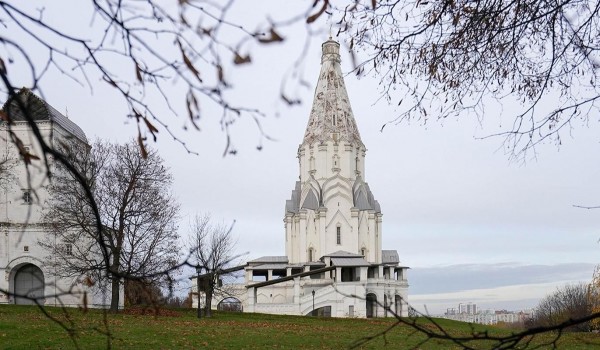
26 327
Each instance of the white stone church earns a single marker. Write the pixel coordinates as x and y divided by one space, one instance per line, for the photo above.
334 263
24 276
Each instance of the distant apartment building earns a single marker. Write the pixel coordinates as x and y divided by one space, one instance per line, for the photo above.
469 309
469 313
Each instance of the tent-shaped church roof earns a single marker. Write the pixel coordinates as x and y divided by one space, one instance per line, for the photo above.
331 112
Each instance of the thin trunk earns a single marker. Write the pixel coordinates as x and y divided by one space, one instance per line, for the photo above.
115 285
210 287
115 291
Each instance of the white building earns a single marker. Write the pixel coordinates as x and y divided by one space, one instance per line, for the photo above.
334 262
469 308
23 192
469 313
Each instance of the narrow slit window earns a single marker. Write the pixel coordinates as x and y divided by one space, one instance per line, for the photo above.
27 197
339 235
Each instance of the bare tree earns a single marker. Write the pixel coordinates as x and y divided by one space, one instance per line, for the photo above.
138 238
568 302
142 292
460 52
594 297
437 58
194 44
451 58
212 247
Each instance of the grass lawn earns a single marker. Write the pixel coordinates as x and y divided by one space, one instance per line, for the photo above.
26 327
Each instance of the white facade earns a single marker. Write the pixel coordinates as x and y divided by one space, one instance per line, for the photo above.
332 208
334 261
23 193
469 308
490 318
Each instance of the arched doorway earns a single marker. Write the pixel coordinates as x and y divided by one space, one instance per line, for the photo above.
385 305
398 304
324 311
29 282
230 304
371 305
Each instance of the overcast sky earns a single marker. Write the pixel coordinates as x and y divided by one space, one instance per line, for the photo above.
471 224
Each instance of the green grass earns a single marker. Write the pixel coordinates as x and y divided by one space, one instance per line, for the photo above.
25 327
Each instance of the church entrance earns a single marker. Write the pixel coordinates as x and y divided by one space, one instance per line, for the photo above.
371 305
324 311
29 282
230 304
398 304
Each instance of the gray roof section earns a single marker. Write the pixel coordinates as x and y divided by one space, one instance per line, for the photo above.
40 110
349 262
293 205
343 254
390 257
331 112
271 259
282 266
311 202
363 197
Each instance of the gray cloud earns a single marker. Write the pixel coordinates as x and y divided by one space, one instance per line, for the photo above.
455 278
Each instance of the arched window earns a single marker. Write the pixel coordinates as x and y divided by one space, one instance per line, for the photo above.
385 305
371 302
363 252
310 254
398 305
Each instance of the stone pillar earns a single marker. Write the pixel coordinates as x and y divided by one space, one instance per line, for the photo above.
251 300
321 161
378 237
363 273
360 236
289 239
297 290
322 222
302 244
249 275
